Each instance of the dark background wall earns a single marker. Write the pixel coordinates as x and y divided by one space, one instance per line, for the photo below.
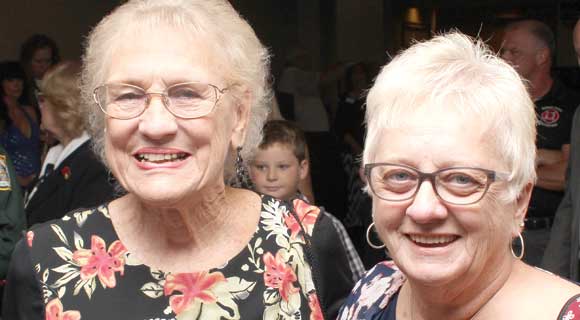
66 21
331 30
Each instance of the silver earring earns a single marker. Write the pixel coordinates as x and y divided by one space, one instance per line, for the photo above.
521 255
242 179
239 165
374 246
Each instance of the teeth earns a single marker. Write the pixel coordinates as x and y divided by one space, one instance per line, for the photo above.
432 239
158 157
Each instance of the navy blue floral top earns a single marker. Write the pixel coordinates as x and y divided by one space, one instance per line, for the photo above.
375 295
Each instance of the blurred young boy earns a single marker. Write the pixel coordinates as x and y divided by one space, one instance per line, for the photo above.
279 164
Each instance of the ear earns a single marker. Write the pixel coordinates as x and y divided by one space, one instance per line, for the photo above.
522 202
241 109
304 167
542 56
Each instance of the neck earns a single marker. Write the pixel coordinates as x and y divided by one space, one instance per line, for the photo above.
64 140
191 224
469 299
11 101
540 84
202 234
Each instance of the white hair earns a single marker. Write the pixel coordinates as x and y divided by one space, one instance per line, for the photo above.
242 57
453 72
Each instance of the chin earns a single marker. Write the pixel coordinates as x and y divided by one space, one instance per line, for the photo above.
166 199
163 192
431 271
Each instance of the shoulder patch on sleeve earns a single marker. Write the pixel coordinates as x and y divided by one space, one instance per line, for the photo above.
5 184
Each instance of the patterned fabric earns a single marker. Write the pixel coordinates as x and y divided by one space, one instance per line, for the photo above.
571 309
354 262
24 151
370 297
85 271
375 296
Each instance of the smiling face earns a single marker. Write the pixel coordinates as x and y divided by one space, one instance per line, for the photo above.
276 171
161 159
434 242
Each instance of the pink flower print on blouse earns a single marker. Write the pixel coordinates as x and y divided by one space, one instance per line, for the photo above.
29 238
307 215
99 262
279 275
54 311
314 304
193 286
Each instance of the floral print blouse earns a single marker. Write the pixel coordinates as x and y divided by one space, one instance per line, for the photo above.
375 295
82 270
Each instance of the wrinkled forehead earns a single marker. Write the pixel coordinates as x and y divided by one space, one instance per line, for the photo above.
521 38
430 118
445 137
164 43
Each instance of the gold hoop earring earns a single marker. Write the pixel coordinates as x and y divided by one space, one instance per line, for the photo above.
521 255
374 246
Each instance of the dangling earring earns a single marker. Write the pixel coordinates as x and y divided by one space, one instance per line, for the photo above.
521 255
239 165
242 179
369 238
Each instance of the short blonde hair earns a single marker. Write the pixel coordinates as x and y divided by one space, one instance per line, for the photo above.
453 72
243 59
60 86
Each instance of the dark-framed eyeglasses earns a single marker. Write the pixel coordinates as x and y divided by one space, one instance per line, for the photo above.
187 100
456 185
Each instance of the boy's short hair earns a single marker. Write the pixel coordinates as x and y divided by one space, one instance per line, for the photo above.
284 132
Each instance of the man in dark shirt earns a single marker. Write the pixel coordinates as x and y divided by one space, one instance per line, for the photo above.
529 46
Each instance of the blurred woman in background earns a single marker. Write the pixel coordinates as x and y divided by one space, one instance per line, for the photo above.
71 176
20 130
37 54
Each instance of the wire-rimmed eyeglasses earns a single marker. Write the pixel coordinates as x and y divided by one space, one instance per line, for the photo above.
187 100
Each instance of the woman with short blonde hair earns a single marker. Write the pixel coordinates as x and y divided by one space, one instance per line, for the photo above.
71 175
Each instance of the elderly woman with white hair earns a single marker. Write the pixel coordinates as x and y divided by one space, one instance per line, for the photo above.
177 95
449 162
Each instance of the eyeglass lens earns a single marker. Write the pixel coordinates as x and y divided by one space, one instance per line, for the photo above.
188 100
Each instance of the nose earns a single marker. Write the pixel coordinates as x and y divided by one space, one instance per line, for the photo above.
426 206
157 122
271 175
